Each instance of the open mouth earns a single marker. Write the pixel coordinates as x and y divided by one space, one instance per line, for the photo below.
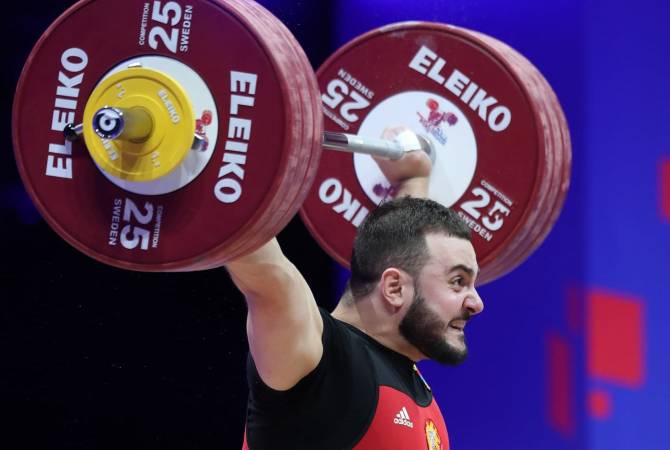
457 325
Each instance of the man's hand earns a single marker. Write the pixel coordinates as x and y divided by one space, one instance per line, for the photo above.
410 174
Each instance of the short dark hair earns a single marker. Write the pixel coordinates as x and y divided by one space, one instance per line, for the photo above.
394 235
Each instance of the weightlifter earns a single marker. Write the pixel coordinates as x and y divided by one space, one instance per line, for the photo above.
348 379
150 116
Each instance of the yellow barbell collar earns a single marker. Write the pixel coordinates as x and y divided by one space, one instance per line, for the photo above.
154 122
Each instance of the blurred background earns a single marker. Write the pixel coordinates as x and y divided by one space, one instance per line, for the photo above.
571 352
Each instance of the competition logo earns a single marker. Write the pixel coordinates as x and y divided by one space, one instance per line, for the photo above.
432 436
435 119
419 111
201 127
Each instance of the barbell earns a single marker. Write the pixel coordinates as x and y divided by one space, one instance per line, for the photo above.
183 135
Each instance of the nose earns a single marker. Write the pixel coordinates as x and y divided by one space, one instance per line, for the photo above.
473 303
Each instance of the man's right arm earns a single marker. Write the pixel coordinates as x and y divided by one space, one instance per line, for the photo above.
284 325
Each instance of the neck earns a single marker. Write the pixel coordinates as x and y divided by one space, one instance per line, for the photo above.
371 318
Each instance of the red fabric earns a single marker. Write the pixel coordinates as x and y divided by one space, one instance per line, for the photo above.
388 432
385 434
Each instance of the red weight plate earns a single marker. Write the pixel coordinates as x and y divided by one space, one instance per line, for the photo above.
306 120
539 231
182 228
508 262
557 140
309 119
456 89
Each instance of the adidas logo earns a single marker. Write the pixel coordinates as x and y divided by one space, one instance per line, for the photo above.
402 418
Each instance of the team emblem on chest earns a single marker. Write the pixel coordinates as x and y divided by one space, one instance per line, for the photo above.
432 436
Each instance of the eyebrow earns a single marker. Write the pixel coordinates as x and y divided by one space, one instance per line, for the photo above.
465 269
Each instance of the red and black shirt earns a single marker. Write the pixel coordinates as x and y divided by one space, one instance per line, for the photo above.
362 395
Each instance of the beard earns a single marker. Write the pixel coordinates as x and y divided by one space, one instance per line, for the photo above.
427 332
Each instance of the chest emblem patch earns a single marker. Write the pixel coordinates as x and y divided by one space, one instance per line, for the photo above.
432 436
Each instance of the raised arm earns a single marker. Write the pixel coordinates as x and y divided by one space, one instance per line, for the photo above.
283 325
411 174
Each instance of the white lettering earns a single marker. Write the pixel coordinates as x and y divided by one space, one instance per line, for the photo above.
72 60
157 227
335 92
474 226
67 88
335 118
235 146
355 83
243 82
456 82
186 29
348 207
469 92
434 72
237 100
493 212
59 167
172 111
61 118
495 191
428 63
228 189
239 128
422 60
80 60
234 166
480 102
498 111
61 149
143 24
331 191
131 235
495 216
116 218
65 103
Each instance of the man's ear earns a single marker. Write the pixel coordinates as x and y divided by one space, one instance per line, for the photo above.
395 286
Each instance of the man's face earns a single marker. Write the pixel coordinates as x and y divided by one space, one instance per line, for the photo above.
444 299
